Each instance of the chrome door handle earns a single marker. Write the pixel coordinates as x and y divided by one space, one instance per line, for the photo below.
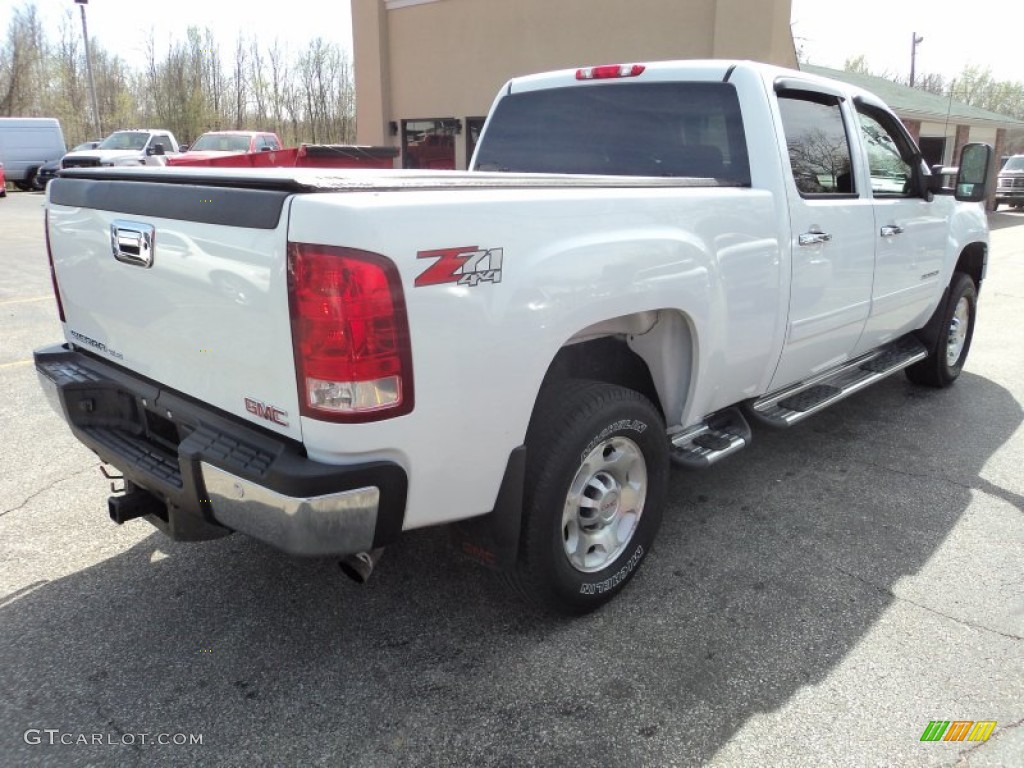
814 237
890 230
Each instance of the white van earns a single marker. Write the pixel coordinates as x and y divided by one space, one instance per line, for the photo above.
26 143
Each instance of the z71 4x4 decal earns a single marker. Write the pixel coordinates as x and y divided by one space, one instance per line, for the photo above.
469 265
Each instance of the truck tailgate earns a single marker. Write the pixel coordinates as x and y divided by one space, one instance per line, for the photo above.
184 284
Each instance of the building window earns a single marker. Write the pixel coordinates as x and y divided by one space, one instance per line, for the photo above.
430 143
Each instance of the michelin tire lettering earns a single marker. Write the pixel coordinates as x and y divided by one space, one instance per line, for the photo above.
600 587
619 426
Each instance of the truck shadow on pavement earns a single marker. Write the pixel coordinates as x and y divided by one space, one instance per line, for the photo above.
767 572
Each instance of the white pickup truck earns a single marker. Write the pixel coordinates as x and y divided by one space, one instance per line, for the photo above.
644 260
139 146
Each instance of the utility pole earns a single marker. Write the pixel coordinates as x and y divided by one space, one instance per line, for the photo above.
88 67
915 39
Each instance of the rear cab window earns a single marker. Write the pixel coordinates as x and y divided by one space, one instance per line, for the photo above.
624 129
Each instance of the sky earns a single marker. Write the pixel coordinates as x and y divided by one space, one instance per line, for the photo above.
122 26
956 33
987 34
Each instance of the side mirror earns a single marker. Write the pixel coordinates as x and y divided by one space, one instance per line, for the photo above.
158 149
264 148
972 180
183 147
941 179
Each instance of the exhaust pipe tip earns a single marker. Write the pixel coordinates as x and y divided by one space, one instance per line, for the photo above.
359 566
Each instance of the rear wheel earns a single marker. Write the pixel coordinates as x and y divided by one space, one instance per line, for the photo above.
597 469
946 359
29 182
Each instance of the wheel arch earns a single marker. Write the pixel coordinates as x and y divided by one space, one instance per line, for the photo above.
651 352
972 261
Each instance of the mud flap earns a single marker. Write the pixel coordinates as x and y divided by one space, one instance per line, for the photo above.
493 539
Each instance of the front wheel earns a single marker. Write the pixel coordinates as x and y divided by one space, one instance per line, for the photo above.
597 472
948 354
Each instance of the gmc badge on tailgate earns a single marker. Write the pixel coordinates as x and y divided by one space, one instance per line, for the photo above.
268 412
132 242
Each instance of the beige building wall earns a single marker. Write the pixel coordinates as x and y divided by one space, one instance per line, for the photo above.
448 58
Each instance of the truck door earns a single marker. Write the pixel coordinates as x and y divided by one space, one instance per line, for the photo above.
832 242
909 233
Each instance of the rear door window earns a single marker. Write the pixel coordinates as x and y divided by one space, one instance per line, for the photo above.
623 129
819 149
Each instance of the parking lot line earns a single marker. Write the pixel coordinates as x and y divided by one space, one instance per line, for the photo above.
16 362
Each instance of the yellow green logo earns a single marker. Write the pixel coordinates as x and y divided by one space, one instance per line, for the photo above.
958 730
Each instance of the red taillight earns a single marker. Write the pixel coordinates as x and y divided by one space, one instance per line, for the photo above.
350 333
53 271
608 71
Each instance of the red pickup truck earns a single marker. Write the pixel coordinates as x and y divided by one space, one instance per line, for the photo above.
220 143
303 156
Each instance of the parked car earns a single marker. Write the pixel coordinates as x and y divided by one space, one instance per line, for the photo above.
26 143
302 156
47 171
218 143
3 182
142 146
1010 187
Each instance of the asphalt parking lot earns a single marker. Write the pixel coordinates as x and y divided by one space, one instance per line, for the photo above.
815 601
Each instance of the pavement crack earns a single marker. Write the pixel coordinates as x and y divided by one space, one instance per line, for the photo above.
981 486
965 756
919 475
889 593
48 487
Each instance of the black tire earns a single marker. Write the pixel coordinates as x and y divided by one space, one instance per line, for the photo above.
946 358
29 183
623 435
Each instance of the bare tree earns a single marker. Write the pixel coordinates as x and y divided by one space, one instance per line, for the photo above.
183 85
240 83
22 55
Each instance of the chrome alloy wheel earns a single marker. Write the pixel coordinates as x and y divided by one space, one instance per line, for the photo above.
958 331
604 504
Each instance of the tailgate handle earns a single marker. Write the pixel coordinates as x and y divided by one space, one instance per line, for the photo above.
132 242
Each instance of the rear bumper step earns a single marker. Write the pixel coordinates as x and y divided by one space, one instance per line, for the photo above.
201 473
